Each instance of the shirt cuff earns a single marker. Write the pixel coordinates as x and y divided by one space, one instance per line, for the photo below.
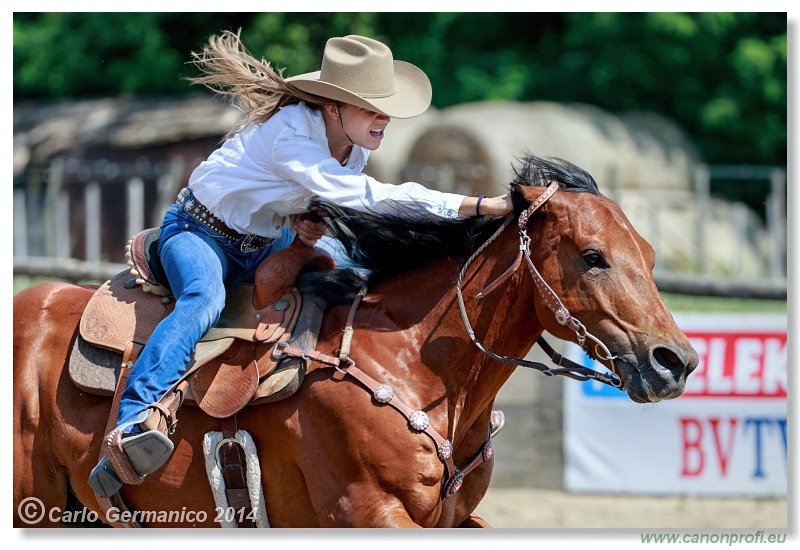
450 204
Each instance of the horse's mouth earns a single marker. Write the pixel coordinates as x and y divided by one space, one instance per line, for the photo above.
646 394
646 384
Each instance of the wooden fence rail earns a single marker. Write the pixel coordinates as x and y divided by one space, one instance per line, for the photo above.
47 227
73 270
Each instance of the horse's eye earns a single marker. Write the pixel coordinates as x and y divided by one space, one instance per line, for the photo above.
593 258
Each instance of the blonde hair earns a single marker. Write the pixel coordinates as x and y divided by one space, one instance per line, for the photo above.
253 86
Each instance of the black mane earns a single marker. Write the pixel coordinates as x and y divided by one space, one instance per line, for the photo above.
405 236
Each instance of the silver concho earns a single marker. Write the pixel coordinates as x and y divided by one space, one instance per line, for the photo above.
446 450
419 420
488 451
383 393
280 305
454 484
562 316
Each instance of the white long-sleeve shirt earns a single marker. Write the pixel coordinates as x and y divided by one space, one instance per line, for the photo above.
273 170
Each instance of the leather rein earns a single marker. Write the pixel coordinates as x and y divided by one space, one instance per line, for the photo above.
565 366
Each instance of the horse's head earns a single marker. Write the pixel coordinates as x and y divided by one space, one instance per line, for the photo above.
585 248
601 269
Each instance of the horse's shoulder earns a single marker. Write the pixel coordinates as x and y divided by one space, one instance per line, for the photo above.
53 288
53 298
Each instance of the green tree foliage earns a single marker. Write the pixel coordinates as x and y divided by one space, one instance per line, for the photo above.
721 76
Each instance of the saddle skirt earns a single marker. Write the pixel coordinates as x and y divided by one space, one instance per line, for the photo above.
232 365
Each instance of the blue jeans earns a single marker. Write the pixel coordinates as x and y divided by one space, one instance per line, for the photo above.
198 262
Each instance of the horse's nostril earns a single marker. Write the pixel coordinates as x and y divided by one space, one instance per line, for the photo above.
669 360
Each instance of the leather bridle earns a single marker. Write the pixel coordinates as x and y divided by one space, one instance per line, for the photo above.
566 367
418 420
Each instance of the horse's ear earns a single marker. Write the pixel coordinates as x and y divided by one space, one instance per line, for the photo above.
518 198
524 195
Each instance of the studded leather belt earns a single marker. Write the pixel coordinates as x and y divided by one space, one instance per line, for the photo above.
247 243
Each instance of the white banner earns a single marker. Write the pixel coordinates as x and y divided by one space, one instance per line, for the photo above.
726 435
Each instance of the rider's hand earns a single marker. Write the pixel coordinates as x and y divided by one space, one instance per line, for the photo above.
308 231
491 206
497 206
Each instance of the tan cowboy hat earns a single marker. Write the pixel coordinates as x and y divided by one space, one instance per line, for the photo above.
361 71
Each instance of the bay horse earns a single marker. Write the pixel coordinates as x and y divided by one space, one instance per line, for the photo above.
449 305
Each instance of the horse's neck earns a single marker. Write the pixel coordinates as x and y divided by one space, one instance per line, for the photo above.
504 321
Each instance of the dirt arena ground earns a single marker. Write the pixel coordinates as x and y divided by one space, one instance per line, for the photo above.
552 509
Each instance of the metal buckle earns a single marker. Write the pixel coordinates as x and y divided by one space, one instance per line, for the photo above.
350 363
182 195
277 350
246 245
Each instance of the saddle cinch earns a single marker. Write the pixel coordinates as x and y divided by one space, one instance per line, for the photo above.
233 364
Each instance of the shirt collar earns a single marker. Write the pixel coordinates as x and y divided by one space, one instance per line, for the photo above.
314 128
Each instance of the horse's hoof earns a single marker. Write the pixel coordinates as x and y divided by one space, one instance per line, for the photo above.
103 480
147 451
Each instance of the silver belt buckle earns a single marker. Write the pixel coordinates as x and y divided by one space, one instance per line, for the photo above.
182 196
246 245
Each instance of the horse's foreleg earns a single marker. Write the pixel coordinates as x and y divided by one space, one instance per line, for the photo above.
40 482
40 487
45 317
376 515
475 521
401 520
398 519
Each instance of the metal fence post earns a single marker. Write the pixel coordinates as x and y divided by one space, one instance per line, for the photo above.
20 224
135 191
91 195
55 177
63 240
739 219
702 185
776 222
166 189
